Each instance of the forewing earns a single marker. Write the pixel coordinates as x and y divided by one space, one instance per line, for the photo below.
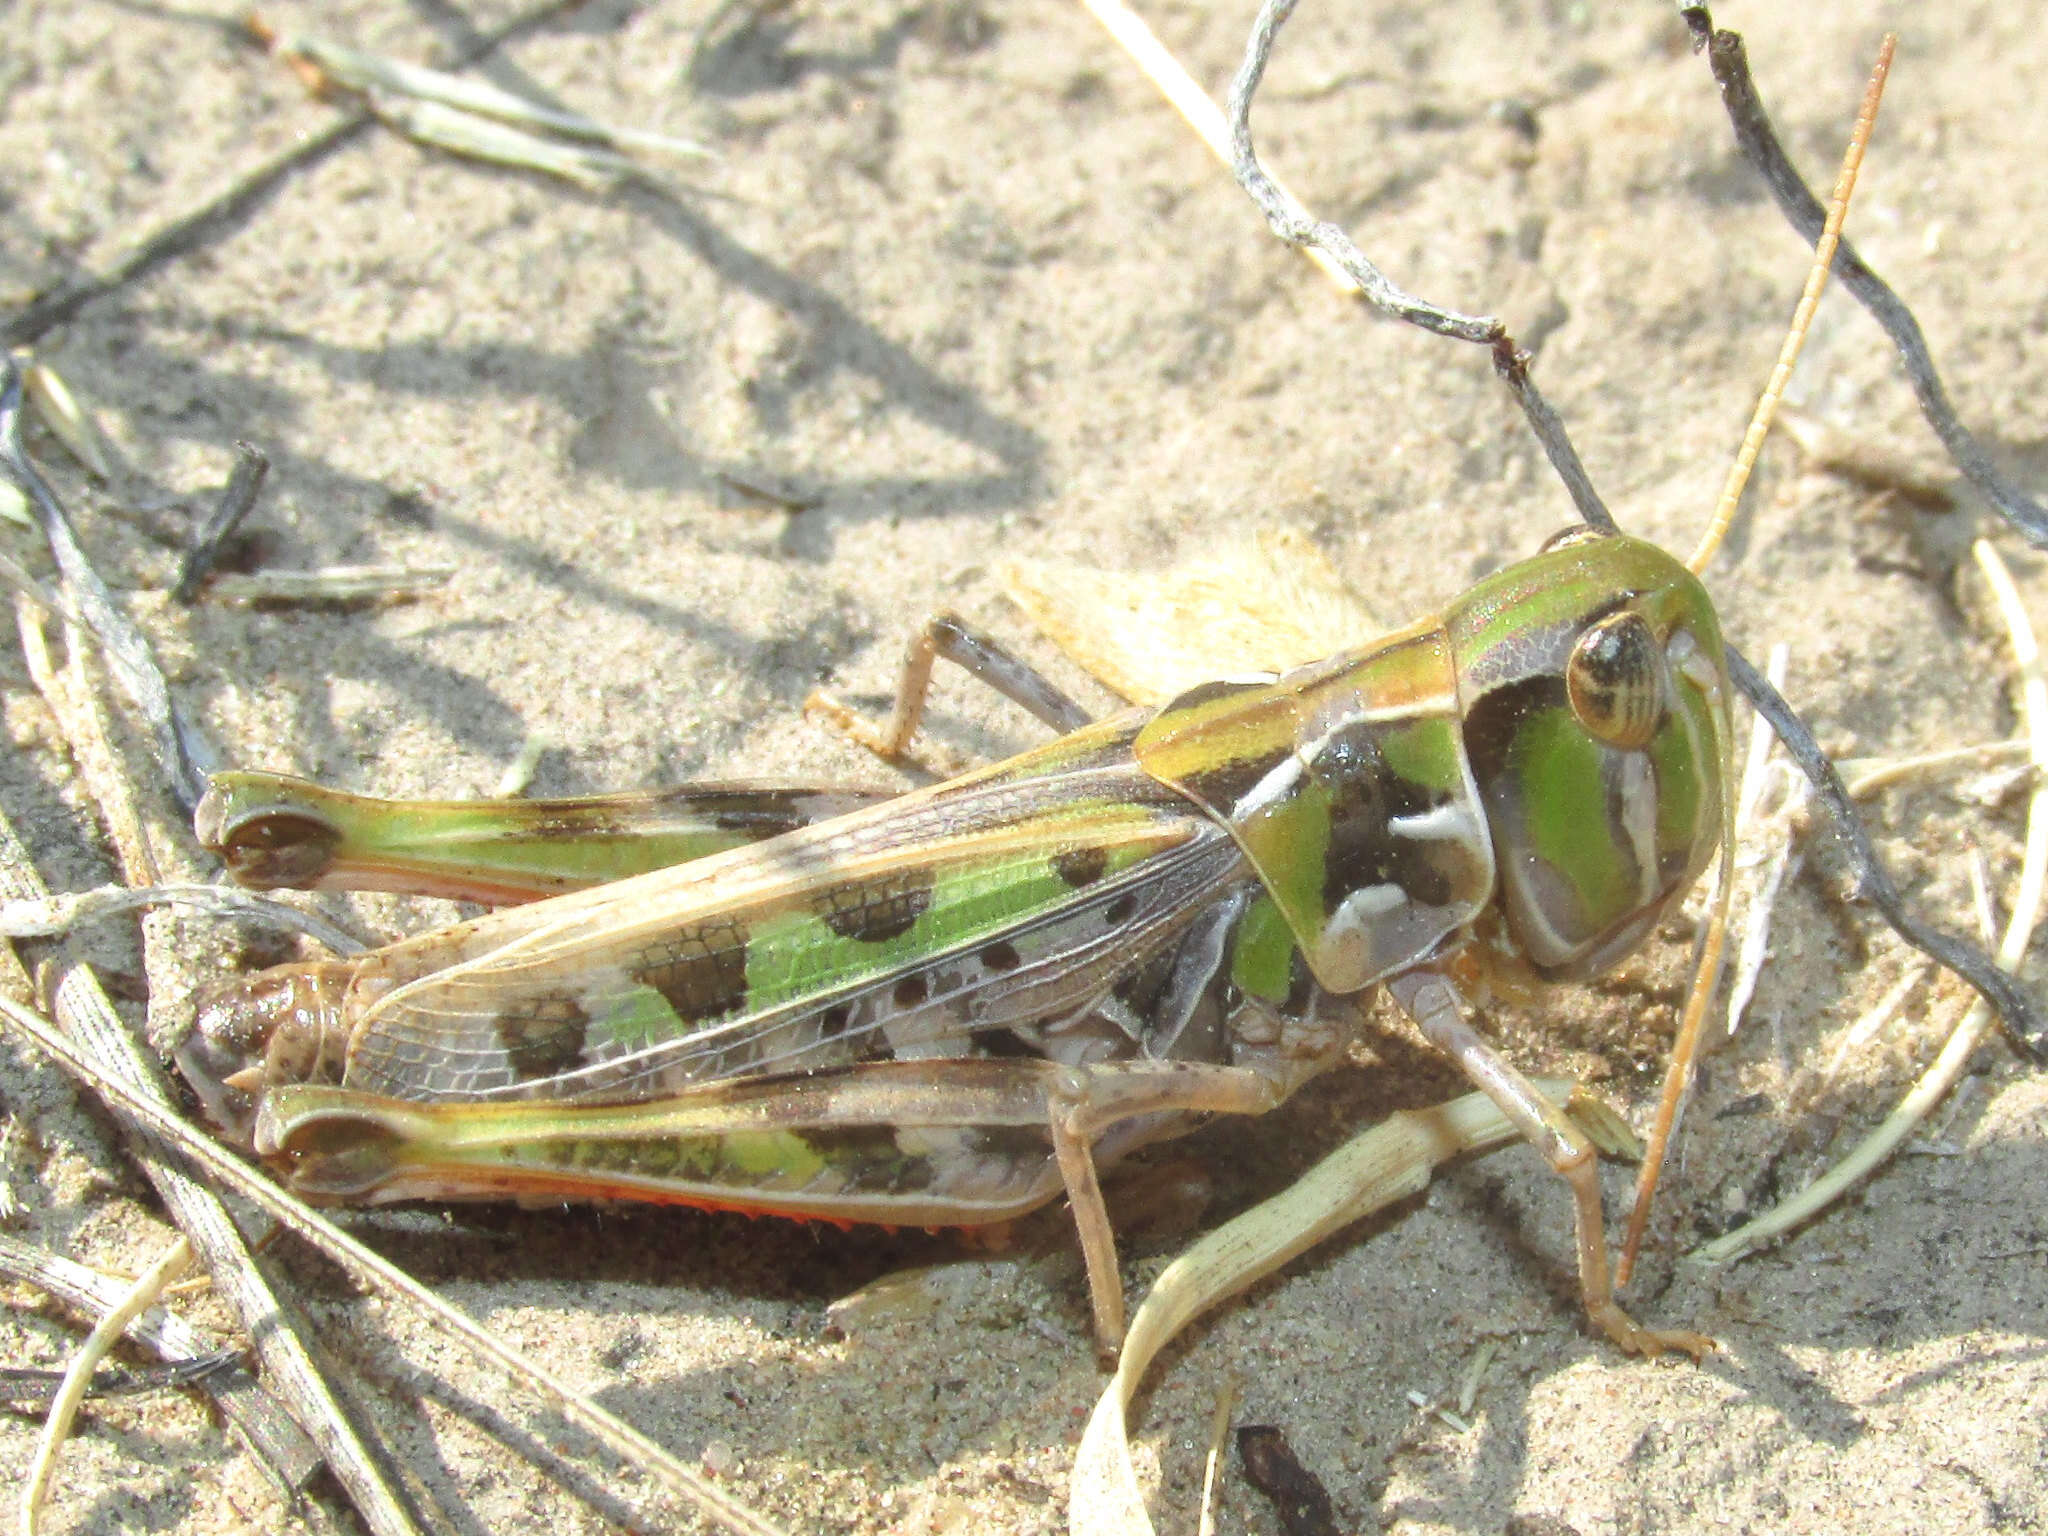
895 933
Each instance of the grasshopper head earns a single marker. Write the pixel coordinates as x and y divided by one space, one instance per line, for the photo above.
1595 696
254 1032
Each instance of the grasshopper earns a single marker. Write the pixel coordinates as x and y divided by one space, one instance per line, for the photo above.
950 1007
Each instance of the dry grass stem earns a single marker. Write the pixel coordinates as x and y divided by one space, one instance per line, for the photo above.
69 422
78 1375
140 1298
335 584
371 73
1765 836
1386 1163
1802 315
52 916
479 138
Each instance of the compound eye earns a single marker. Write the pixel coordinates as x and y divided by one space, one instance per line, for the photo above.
1566 538
1615 681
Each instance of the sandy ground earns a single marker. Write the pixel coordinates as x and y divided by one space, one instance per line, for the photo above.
963 284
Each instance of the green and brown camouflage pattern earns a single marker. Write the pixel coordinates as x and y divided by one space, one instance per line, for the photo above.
866 1017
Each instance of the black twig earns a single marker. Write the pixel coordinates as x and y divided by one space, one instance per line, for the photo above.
236 499
27 1387
1512 364
184 754
1874 884
1759 143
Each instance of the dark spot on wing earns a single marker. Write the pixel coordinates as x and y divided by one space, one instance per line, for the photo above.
1081 866
546 1040
1000 956
875 911
839 1036
1119 911
911 991
700 972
